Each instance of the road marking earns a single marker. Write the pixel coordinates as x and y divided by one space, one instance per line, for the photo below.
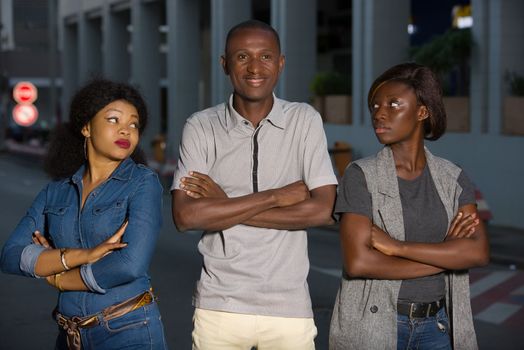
497 313
490 281
327 271
518 291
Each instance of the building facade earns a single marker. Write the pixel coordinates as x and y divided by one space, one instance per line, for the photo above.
171 50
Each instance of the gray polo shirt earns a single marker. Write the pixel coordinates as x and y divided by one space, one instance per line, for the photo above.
248 269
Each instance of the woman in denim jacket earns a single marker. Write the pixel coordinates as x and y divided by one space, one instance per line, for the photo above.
92 231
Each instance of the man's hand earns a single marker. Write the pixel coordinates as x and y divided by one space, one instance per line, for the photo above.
383 242
291 194
199 185
462 226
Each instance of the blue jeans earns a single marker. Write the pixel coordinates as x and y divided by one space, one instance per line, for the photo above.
138 329
430 333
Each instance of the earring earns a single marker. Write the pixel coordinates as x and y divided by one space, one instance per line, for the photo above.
85 148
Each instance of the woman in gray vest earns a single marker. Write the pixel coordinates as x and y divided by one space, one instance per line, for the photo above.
409 229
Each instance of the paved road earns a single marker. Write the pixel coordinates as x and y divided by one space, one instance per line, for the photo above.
25 323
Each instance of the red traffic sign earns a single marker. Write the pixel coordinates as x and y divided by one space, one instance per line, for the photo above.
25 115
25 92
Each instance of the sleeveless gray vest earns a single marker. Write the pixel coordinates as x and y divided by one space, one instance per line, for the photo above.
365 311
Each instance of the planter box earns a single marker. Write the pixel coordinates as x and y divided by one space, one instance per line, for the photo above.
457 110
513 115
334 108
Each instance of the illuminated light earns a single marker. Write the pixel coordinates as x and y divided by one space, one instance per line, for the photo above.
411 29
464 22
25 114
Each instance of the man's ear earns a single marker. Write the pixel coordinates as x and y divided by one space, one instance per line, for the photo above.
281 63
223 62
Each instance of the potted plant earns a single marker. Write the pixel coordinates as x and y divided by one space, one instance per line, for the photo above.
448 56
332 97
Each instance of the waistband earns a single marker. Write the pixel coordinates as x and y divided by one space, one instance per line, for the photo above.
420 310
72 325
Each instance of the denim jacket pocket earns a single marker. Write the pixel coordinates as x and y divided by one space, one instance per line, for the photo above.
102 209
108 217
54 220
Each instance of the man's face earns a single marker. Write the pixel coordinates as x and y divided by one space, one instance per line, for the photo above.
253 63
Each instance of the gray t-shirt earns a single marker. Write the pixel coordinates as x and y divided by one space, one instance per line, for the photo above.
248 269
424 217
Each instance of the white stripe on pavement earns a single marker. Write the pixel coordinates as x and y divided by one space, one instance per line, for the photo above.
327 271
497 313
518 291
489 282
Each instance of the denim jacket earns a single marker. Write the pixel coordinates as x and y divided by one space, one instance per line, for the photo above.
133 192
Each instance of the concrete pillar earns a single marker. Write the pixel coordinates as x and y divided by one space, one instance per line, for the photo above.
146 61
295 21
380 40
69 65
116 58
89 46
183 65
479 67
224 15
494 68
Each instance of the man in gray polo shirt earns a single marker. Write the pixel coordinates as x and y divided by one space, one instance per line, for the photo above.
253 173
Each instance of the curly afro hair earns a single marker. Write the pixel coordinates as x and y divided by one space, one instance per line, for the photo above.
66 149
427 88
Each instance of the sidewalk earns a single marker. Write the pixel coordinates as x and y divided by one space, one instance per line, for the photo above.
507 246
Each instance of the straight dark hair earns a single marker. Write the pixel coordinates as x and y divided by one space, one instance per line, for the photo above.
427 89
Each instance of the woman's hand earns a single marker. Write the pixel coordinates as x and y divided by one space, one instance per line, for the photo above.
39 239
383 242
107 246
462 226
199 185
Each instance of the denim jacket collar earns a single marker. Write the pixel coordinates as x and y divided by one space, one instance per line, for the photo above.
122 172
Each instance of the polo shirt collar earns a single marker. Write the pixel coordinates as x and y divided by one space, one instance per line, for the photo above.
275 116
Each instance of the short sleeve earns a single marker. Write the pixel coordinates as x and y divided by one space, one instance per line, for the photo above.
192 152
353 195
468 190
318 169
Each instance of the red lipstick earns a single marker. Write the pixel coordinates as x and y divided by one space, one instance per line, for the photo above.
123 143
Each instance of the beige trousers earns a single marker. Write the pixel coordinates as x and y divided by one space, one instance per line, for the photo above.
217 330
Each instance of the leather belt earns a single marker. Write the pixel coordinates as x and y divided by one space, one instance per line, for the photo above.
420 310
72 325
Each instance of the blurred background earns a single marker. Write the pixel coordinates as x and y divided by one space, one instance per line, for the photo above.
334 49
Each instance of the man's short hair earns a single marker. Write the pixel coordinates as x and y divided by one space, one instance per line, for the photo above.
252 24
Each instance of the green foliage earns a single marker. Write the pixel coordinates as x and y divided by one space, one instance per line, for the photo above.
330 83
445 51
516 84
